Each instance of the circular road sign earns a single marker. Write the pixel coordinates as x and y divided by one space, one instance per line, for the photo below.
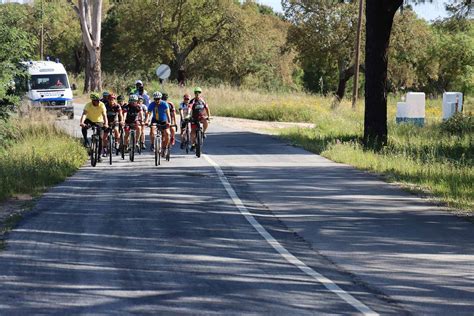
163 71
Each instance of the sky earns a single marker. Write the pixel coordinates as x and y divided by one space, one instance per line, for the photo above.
428 11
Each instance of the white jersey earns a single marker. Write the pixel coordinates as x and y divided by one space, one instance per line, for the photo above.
185 108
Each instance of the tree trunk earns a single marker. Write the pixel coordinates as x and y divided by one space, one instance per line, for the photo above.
90 16
341 88
95 71
379 20
87 73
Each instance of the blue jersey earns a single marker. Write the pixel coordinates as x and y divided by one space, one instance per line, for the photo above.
158 110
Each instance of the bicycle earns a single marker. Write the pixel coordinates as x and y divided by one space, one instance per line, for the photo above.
158 139
186 141
132 143
94 145
110 143
121 143
199 138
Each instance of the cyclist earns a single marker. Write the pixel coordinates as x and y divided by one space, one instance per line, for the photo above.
105 97
121 100
173 115
94 113
132 114
160 115
142 121
114 116
199 113
140 91
184 114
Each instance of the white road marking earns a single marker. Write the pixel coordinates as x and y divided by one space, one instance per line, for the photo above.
330 285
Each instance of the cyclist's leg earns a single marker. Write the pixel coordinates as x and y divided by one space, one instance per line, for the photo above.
205 124
127 133
101 136
152 136
166 137
142 134
116 133
84 132
139 131
193 134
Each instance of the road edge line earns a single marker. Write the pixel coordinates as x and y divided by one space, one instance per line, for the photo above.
330 285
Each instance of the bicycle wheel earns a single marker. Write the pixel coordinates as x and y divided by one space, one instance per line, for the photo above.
111 144
122 144
198 142
94 150
188 139
158 148
139 147
157 153
131 146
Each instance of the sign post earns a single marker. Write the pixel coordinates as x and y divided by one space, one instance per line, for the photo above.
163 72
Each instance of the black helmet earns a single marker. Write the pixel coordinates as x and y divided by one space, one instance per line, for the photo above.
164 97
120 98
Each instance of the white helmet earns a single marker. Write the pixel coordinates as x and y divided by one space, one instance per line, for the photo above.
139 82
157 95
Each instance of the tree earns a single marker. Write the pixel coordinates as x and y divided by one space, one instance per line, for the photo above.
256 56
173 29
62 32
90 17
12 17
379 20
410 65
324 32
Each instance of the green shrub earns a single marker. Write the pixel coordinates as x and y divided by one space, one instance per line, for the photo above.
459 124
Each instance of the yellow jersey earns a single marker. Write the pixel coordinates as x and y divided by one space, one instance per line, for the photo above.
94 113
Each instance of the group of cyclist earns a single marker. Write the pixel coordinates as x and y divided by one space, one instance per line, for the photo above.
112 112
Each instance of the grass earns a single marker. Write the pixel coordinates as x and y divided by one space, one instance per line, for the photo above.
35 154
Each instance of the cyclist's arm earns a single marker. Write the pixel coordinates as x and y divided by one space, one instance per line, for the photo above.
147 117
106 121
83 117
208 112
120 114
168 115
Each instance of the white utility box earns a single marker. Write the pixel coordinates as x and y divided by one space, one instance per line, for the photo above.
452 103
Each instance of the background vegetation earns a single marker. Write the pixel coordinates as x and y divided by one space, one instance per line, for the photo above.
35 154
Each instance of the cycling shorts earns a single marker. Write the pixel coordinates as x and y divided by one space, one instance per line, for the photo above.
161 125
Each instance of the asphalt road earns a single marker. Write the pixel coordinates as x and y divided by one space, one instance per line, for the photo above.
214 236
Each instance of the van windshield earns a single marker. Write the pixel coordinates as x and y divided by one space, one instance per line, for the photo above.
51 81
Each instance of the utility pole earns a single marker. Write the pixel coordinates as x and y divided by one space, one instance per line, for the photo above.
355 89
41 33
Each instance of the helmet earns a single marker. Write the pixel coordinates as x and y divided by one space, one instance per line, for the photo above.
105 94
140 97
139 82
197 90
95 96
157 95
112 96
186 96
165 96
133 97
120 98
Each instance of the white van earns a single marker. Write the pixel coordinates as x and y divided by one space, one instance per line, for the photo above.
48 87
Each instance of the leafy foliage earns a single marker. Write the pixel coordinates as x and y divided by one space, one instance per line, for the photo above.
459 124
12 35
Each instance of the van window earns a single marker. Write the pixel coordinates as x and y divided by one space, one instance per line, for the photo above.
53 81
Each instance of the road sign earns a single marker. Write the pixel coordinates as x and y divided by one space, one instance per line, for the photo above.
163 71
